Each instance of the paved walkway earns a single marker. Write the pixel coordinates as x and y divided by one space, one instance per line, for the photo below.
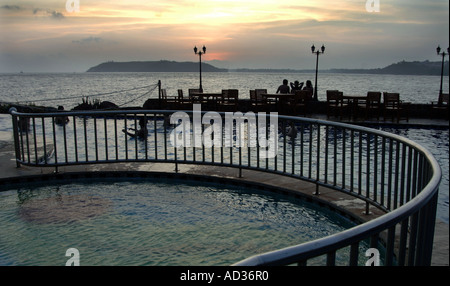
347 204
411 122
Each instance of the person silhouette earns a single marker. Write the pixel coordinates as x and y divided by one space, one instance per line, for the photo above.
296 86
284 88
309 87
61 120
142 132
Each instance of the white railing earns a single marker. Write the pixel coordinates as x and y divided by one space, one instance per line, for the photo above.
384 170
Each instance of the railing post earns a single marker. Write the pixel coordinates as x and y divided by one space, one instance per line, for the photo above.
367 211
16 135
55 144
159 94
316 192
431 223
317 160
240 161
176 157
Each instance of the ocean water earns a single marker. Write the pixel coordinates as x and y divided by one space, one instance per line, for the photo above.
132 89
48 89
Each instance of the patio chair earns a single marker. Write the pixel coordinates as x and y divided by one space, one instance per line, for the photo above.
168 101
441 106
392 105
183 103
297 103
373 104
335 103
229 100
253 100
195 96
261 102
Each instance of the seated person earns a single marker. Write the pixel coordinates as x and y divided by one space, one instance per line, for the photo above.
309 88
296 86
141 133
284 88
61 120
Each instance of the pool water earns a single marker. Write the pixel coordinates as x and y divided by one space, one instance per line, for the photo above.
153 222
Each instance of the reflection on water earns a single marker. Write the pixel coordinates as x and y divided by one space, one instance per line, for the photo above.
153 222
62 208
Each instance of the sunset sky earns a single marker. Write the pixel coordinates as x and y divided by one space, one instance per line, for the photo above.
45 36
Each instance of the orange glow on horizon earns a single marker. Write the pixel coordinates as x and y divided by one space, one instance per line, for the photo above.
241 32
221 56
209 21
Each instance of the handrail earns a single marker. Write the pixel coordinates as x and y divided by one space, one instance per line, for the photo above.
384 170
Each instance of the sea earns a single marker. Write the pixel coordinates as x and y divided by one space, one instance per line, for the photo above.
128 89
133 89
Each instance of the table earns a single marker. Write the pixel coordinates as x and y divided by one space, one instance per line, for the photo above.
355 98
205 97
276 99
199 96
355 102
210 100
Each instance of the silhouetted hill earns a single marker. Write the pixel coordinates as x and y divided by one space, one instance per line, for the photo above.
403 68
153 66
400 68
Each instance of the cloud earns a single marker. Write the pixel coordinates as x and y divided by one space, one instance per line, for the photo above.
248 33
88 40
56 14
11 7
49 13
36 11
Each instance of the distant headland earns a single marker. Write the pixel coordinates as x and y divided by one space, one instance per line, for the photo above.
400 68
403 68
153 66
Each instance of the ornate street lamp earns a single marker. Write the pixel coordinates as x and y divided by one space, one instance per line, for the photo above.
322 50
200 53
443 54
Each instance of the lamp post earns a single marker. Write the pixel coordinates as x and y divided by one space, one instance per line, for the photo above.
438 50
200 53
322 50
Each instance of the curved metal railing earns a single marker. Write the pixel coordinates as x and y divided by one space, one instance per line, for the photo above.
384 170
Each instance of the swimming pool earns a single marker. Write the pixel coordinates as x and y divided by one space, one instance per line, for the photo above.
322 142
154 221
